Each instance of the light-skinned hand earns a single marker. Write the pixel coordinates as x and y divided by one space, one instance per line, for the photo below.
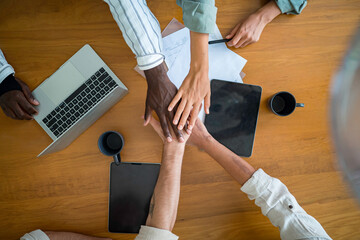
246 32
196 85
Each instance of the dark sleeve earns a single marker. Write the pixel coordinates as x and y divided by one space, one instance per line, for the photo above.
9 84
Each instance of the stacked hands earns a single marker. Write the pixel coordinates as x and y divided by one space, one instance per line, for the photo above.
180 108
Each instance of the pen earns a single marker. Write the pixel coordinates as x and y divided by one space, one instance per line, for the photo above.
219 41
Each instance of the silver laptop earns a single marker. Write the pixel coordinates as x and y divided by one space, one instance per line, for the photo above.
75 96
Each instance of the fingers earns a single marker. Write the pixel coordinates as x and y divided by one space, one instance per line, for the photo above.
20 113
177 132
241 41
147 114
184 116
165 128
179 111
27 92
11 114
235 39
27 107
207 103
233 32
246 43
8 112
175 100
193 116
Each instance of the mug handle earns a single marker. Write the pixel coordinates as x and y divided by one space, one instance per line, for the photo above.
117 159
300 105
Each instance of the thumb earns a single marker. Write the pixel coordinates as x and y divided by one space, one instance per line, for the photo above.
28 95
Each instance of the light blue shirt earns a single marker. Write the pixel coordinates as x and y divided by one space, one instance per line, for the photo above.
5 68
291 6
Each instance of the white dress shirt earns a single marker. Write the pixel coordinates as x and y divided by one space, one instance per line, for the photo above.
35 235
282 209
5 68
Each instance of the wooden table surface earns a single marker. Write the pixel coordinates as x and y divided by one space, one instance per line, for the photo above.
68 190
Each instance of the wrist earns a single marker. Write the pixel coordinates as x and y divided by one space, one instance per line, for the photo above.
199 66
174 147
9 84
153 73
206 142
268 12
199 51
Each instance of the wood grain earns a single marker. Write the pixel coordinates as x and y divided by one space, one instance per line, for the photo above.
68 191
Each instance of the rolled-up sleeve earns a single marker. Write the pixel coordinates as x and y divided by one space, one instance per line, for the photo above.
291 6
282 209
140 29
199 15
35 235
151 233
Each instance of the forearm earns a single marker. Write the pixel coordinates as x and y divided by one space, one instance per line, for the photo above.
165 200
199 51
268 12
237 167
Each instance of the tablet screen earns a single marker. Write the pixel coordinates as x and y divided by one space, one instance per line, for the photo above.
233 115
131 188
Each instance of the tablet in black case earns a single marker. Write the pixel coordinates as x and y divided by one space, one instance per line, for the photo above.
131 188
233 115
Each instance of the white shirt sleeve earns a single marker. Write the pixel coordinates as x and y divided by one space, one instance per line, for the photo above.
151 233
35 235
281 207
140 29
5 68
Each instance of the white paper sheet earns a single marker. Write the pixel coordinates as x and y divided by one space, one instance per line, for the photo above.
224 64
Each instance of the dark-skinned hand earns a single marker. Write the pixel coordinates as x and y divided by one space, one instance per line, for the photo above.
160 93
19 104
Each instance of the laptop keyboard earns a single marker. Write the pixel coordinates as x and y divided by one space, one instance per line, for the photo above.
79 102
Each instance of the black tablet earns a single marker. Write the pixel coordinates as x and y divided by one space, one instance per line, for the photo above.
131 188
233 115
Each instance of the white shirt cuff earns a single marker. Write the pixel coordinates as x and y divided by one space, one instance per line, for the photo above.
151 233
150 61
35 235
257 184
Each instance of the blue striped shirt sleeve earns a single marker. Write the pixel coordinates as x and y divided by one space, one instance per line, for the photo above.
5 68
140 29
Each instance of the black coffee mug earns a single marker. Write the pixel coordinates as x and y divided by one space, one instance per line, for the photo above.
283 103
110 143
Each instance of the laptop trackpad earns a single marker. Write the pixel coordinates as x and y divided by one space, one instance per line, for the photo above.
62 83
